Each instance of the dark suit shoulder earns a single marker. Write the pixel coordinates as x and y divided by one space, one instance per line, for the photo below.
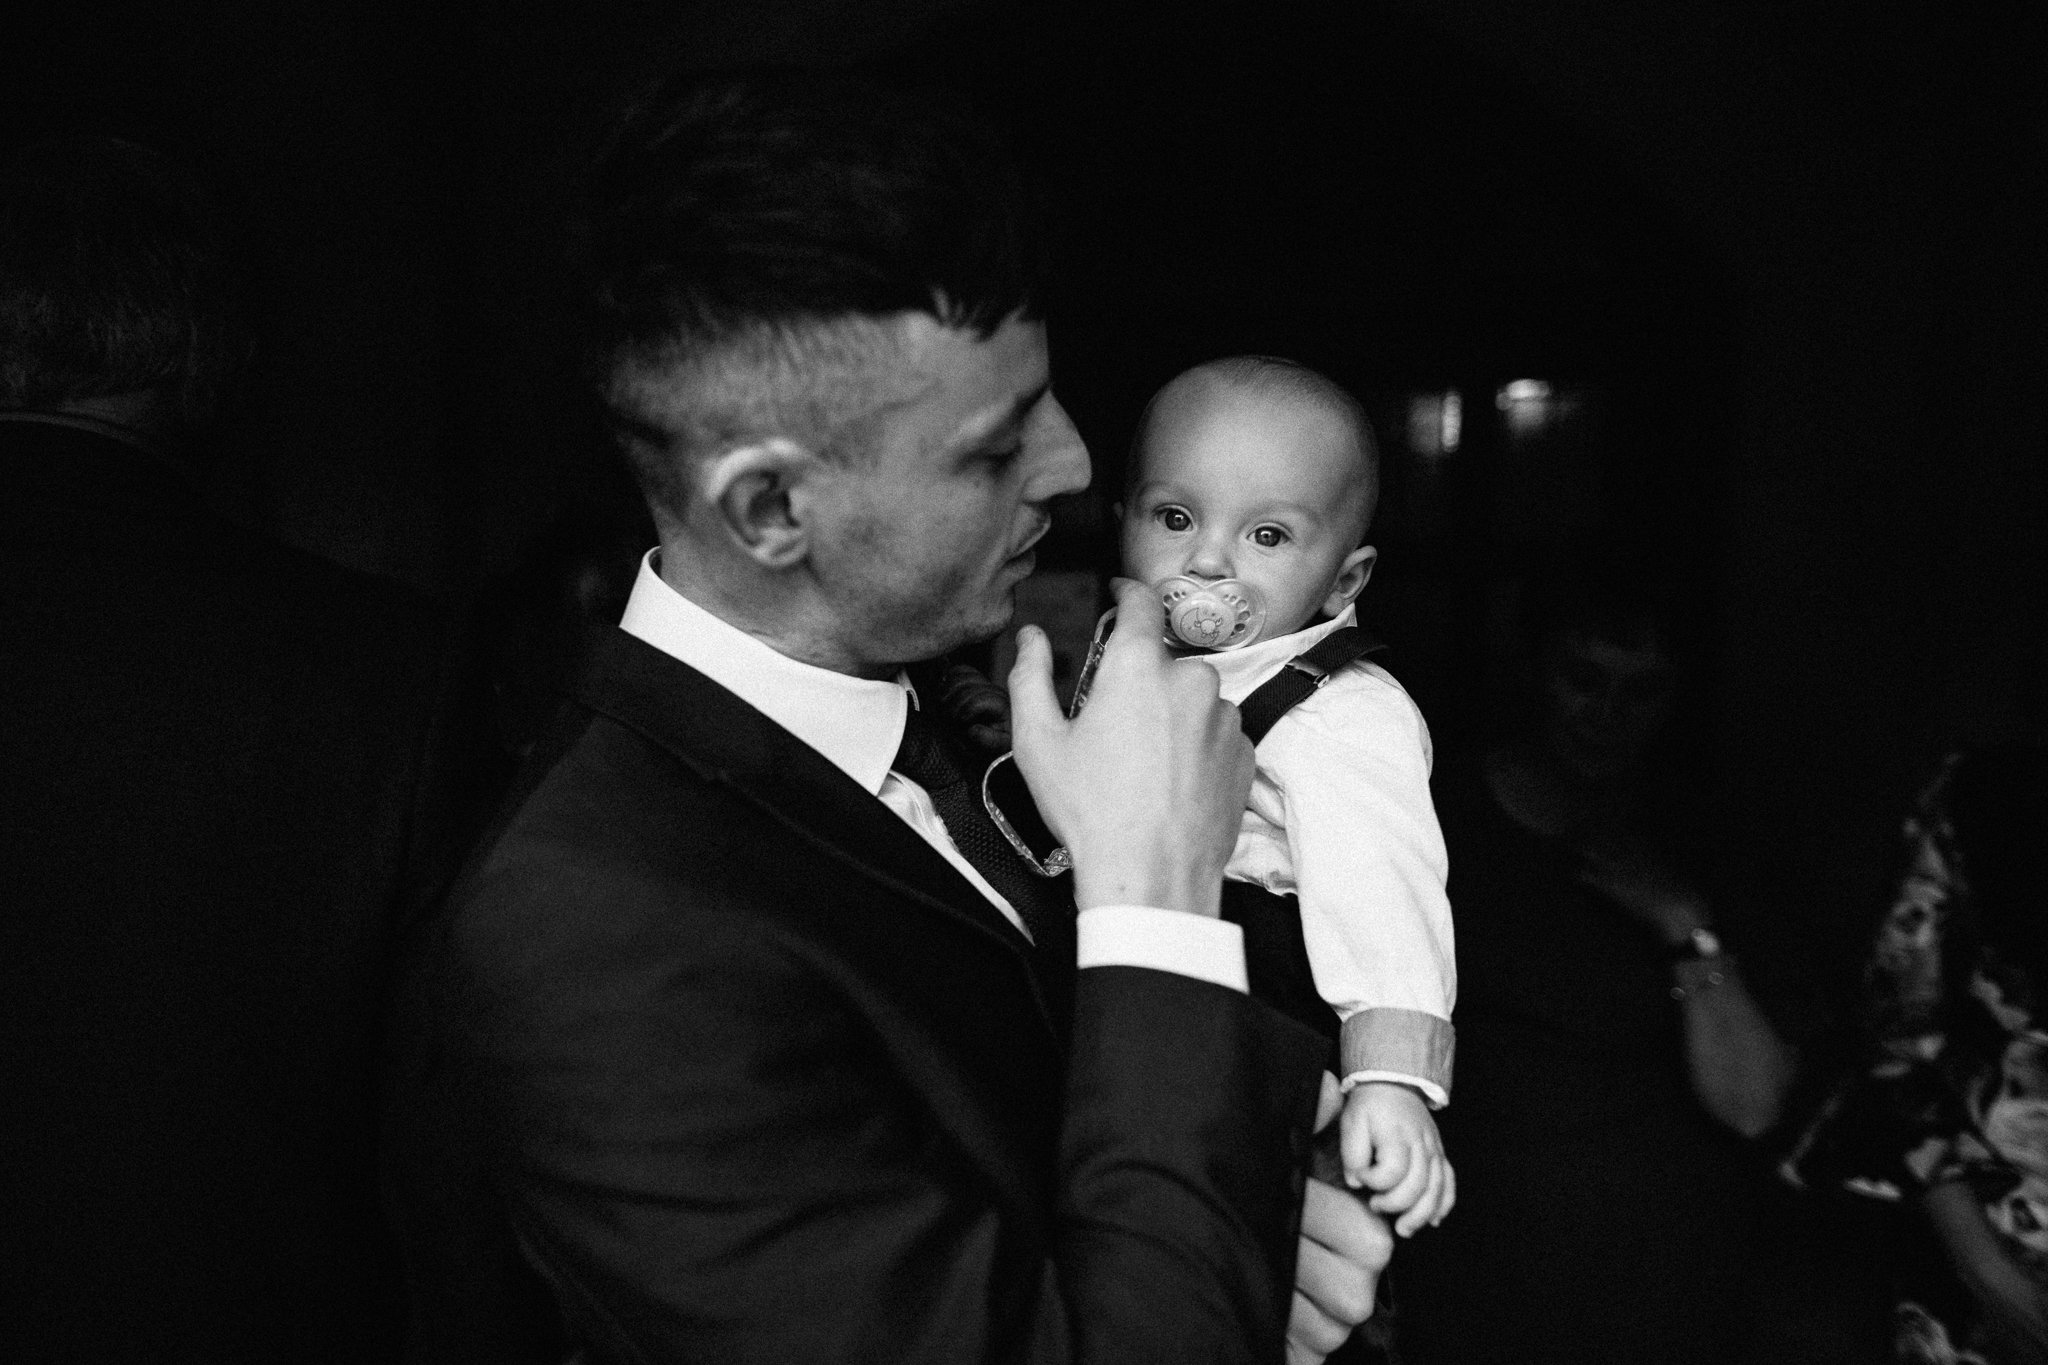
707 1049
599 797
608 840
617 860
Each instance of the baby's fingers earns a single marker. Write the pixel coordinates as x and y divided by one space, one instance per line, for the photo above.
1401 1177
1424 1211
994 738
1450 1199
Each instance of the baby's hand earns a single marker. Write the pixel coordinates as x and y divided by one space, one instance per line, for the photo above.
978 705
1390 1146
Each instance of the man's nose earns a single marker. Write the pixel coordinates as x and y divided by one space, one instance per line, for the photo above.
1062 458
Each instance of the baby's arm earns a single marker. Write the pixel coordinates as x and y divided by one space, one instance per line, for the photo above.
1352 765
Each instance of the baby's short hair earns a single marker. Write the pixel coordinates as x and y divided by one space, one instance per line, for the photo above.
1278 377
1272 376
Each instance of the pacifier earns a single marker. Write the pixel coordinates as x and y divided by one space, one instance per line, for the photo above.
1219 615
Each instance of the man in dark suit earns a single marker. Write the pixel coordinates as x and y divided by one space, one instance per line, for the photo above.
228 772
741 1031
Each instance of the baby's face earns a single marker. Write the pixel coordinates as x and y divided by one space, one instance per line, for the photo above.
1262 489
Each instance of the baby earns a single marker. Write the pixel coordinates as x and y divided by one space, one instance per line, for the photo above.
1261 475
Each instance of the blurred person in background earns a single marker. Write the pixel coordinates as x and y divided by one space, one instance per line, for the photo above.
1943 1113
230 773
1613 1062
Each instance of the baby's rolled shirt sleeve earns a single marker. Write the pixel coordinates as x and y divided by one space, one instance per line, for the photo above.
1406 1046
1351 766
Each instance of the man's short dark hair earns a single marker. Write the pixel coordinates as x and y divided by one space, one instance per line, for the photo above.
114 279
751 212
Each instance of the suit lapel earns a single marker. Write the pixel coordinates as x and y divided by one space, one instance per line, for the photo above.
991 1085
725 740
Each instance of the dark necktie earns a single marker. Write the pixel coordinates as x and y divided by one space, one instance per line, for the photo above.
938 763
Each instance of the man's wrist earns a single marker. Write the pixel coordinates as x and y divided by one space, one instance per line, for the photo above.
1172 888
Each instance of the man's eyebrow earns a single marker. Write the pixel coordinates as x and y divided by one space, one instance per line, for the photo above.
1012 416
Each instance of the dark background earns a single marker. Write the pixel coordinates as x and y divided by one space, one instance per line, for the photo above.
1786 259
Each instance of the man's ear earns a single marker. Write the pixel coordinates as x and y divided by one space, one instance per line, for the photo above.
1351 579
753 490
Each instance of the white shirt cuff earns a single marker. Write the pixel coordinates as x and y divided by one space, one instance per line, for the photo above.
1433 1094
1165 940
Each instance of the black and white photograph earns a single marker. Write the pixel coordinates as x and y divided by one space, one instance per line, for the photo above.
998 683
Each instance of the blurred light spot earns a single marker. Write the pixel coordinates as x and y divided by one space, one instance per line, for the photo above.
1526 405
1436 423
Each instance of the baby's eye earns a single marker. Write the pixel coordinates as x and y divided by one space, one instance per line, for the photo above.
1174 518
1269 536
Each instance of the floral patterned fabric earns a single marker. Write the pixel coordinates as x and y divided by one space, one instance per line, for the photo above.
1953 1081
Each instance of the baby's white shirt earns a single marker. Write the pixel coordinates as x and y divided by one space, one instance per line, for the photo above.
1340 817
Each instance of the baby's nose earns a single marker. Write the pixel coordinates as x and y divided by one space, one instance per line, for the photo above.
1210 560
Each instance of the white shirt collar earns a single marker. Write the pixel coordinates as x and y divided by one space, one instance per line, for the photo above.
1239 671
856 723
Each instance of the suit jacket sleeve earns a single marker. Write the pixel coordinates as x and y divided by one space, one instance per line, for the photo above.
709 1155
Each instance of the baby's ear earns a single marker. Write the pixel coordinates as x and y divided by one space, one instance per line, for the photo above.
1351 579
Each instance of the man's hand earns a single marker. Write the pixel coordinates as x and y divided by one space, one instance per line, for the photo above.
1147 786
1344 1247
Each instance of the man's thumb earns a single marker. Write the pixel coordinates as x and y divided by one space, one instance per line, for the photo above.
1033 705
1329 1103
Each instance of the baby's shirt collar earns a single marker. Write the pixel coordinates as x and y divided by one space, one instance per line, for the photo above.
1239 672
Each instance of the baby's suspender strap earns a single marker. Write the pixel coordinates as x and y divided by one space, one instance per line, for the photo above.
1302 675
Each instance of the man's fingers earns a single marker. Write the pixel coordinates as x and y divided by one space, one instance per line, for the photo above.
1350 1231
1034 707
1334 1287
1312 1333
1139 615
1330 1103
1356 1149
1342 1250
1298 1354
